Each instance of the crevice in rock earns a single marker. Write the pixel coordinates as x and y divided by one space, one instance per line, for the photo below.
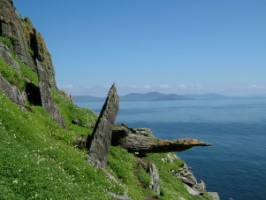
33 94
34 45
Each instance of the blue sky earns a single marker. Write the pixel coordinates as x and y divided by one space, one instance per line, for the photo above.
171 46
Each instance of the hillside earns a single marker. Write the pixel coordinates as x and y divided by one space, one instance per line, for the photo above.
40 130
157 96
151 96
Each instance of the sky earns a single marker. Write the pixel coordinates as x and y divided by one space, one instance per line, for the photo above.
169 46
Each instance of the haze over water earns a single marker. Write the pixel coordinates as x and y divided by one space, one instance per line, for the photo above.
235 164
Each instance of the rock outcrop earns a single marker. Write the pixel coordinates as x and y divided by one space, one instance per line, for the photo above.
189 180
29 47
141 141
11 27
46 96
12 92
98 144
7 57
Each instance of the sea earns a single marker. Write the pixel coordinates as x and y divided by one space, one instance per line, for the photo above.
235 164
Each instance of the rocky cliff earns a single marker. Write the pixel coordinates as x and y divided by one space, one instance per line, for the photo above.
22 46
39 127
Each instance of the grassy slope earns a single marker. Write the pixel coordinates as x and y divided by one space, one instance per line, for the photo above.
38 160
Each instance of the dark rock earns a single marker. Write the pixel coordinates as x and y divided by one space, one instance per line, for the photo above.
12 92
75 121
141 141
155 179
98 144
46 96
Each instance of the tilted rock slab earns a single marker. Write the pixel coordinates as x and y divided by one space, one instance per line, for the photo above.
98 144
140 141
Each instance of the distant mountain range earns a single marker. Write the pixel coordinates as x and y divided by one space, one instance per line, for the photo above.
155 96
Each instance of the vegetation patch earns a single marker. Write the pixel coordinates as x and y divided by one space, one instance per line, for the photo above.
28 73
79 120
6 41
11 75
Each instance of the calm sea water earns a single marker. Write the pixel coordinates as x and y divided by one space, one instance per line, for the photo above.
235 164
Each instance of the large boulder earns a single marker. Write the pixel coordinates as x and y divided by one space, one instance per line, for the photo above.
98 144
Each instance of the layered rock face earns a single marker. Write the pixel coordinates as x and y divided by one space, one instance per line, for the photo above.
28 44
11 27
29 48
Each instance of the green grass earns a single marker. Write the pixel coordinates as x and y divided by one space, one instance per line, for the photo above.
10 74
28 73
124 165
36 164
71 112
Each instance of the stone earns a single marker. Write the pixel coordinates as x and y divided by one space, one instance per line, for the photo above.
192 191
99 142
12 92
155 179
136 141
46 97
186 176
7 57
